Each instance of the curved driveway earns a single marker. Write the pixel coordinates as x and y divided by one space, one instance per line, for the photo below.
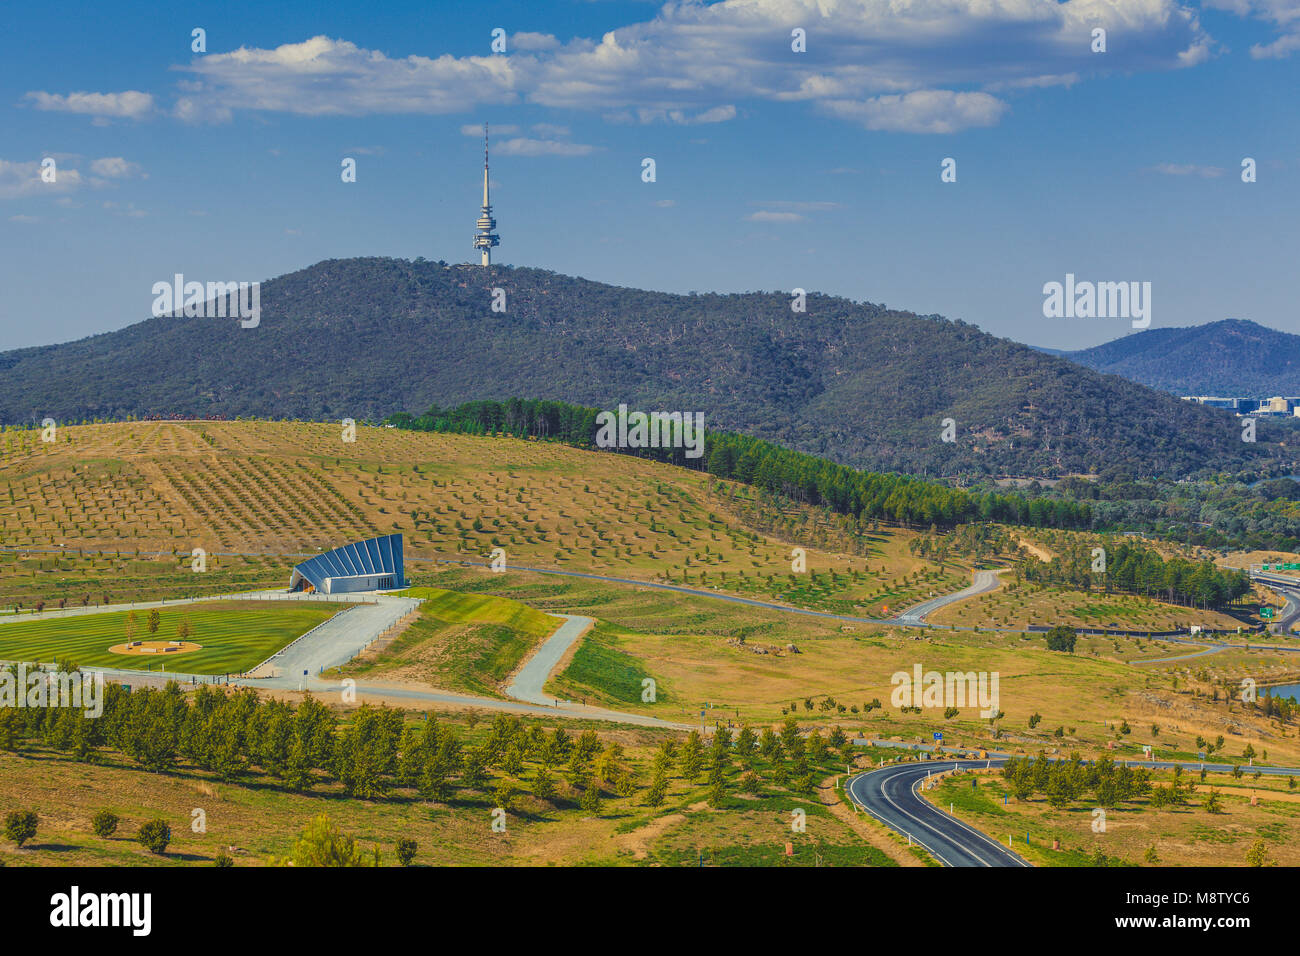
528 683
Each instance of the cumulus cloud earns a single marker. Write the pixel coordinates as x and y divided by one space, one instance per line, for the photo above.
921 111
19 180
534 41
912 65
22 179
326 77
1283 14
130 104
114 167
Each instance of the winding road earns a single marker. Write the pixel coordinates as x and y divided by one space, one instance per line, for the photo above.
889 794
983 582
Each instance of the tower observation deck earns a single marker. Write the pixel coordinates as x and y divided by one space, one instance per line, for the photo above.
485 238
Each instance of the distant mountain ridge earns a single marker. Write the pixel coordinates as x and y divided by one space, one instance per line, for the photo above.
1233 357
853 382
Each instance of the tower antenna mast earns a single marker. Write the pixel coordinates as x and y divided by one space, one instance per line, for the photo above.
486 237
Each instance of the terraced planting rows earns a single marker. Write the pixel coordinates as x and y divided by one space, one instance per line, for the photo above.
287 488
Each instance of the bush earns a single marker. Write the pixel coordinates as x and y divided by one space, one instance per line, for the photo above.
406 851
155 835
223 859
104 823
321 843
20 826
1061 638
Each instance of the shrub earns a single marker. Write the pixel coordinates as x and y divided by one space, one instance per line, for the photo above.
155 835
1061 638
406 851
20 826
104 823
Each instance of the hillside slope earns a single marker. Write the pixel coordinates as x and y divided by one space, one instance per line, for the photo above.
364 338
1231 358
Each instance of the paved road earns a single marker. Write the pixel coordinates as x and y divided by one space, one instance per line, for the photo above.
1288 588
984 582
336 641
532 677
343 636
889 795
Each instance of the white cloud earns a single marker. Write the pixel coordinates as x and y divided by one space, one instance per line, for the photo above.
910 65
326 77
524 146
476 129
114 167
19 180
921 111
1283 14
130 104
21 217
1188 169
534 41
767 215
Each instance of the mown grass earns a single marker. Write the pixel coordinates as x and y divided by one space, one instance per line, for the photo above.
601 671
469 642
235 636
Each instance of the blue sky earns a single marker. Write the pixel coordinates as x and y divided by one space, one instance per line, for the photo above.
775 169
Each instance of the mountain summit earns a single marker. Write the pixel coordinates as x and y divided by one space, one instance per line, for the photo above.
1233 357
855 382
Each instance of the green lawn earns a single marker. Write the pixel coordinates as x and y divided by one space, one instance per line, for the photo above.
469 642
236 636
602 671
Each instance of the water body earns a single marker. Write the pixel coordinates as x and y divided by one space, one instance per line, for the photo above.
1283 690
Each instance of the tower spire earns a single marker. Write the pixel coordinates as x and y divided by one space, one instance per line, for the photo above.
485 238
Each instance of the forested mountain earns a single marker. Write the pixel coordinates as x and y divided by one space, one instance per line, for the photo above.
853 382
1231 358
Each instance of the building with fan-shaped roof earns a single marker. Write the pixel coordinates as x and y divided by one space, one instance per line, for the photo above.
371 565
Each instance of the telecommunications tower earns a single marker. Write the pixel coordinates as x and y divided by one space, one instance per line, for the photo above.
485 238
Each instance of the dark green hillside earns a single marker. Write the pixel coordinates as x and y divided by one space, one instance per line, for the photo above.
1231 358
859 384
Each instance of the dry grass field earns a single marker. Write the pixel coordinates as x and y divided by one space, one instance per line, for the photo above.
107 506
256 821
1020 604
1185 835
115 511
708 656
